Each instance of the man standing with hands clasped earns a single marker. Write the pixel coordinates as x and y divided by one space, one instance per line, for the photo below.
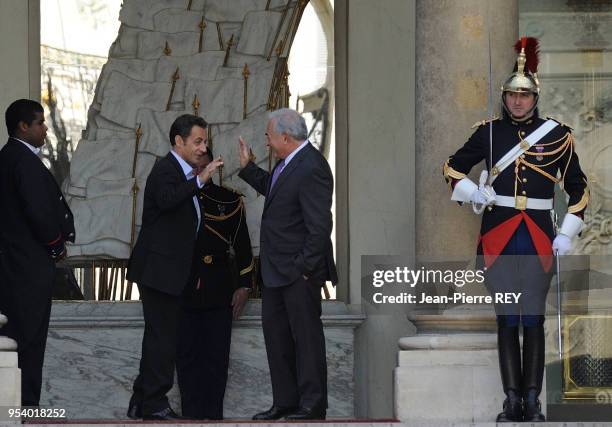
296 259
162 258
35 223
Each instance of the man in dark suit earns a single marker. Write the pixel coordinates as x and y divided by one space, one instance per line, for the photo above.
35 223
216 295
296 259
161 260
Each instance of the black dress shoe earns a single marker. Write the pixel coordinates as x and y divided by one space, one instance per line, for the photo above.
134 411
274 413
306 414
165 414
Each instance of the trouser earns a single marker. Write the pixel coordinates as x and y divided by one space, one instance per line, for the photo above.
157 362
30 353
519 269
202 363
28 323
295 344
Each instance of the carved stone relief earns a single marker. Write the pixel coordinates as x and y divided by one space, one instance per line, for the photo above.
173 57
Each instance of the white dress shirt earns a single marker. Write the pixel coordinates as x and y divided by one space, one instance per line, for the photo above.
294 152
188 171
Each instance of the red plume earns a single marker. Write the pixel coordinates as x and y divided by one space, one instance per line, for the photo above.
532 52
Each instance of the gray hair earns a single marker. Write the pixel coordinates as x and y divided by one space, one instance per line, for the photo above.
286 120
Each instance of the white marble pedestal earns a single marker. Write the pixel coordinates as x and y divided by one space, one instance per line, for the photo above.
10 375
450 378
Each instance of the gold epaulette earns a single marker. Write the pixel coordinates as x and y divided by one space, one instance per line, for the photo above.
561 123
484 122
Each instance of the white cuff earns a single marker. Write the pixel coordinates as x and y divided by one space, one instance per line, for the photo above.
572 224
200 183
463 190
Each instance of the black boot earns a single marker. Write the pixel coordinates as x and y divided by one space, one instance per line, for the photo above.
533 372
509 350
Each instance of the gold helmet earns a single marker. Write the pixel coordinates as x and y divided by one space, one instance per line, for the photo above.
524 78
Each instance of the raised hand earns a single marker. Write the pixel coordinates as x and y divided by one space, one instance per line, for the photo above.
210 169
245 153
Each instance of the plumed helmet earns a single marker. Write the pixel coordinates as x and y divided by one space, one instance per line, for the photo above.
524 78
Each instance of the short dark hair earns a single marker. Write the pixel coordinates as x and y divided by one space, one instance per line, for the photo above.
183 124
22 110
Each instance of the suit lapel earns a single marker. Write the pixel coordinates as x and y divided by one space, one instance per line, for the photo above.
293 164
179 169
176 165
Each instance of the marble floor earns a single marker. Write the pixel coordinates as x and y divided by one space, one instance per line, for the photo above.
328 423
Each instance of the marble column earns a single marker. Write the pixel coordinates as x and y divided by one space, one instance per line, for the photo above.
455 350
10 375
20 47
451 95
375 173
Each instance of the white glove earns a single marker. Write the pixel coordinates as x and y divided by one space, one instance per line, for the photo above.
572 224
485 189
562 244
483 196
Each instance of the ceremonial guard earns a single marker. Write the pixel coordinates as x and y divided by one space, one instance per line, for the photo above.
525 157
222 279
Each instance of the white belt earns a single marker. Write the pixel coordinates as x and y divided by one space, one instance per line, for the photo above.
519 202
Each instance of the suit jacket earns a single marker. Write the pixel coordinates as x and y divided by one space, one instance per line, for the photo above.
163 252
296 222
35 221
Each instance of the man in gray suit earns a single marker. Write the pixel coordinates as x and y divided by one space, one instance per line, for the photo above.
296 259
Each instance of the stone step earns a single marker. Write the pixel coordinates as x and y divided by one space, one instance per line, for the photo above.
225 423
493 424
327 423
